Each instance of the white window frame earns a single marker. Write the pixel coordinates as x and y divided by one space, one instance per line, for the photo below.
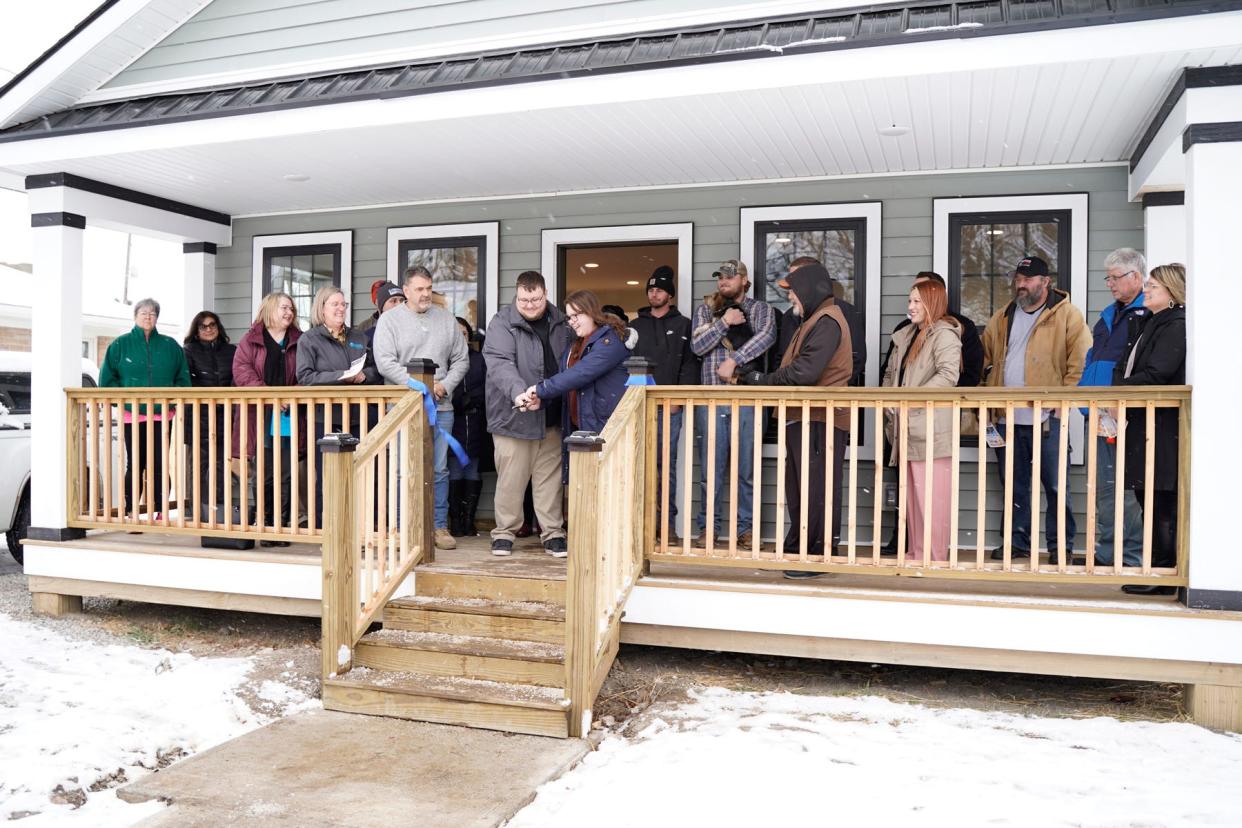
342 238
490 230
1078 205
871 212
682 233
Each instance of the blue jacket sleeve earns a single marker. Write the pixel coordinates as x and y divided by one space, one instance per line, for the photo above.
607 353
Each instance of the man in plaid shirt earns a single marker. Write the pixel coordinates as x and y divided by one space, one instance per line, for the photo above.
730 331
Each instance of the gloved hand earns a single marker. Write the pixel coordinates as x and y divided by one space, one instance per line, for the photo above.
751 378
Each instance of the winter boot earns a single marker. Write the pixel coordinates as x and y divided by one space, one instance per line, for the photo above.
457 508
472 489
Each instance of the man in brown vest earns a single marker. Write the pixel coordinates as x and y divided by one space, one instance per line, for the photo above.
819 354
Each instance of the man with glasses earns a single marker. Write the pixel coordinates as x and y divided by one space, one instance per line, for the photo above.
523 346
1038 339
730 332
1116 330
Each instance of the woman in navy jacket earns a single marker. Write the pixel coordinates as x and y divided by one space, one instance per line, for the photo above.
591 377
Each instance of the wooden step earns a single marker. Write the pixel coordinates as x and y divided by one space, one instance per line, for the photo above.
478 617
460 656
438 583
470 703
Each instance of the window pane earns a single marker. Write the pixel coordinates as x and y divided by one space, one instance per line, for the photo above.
989 251
833 247
455 275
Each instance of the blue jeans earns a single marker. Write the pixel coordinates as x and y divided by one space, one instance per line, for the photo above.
1105 506
744 494
440 452
674 437
1049 445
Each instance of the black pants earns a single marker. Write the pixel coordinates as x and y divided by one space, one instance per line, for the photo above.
817 455
1163 526
135 437
201 467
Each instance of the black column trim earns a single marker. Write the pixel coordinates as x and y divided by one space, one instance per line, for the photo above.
1211 599
58 220
198 247
1195 77
57 534
89 185
1222 132
1173 198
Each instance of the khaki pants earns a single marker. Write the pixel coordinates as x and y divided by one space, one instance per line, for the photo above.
537 461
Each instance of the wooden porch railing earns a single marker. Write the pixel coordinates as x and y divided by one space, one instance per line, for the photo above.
606 476
861 493
378 523
188 460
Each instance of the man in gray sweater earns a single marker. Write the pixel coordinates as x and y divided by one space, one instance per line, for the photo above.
421 330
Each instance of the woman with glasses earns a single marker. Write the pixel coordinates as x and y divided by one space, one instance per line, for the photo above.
209 355
333 353
144 358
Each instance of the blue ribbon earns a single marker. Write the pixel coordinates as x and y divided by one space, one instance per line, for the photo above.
429 405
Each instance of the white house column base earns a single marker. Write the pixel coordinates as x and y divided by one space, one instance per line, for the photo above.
56 363
200 278
1213 181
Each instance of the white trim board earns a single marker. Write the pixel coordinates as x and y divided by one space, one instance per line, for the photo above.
872 214
490 230
682 233
343 238
1078 204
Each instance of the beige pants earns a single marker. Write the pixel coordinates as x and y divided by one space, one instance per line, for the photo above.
537 461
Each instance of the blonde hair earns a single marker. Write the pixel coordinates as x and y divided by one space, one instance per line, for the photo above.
321 299
270 304
1173 277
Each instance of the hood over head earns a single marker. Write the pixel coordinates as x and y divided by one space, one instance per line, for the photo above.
813 286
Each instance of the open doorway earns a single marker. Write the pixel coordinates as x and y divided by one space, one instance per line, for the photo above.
616 273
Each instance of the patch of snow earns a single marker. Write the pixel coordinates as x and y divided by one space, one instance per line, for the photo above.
784 759
926 29
287 699
342 656
78 718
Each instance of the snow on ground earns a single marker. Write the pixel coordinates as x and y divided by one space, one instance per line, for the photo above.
750 759
76 714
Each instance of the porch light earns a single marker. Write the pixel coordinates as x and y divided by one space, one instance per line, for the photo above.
782 241
894 131
591 264
631 282
296 177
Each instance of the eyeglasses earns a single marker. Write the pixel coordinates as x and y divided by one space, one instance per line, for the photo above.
1108 280
530 302
208 325
576 315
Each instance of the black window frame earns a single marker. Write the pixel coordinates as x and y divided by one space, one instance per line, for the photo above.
437 242
1064 264
759 267
316 249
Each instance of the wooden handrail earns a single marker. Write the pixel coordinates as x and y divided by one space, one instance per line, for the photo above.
392 422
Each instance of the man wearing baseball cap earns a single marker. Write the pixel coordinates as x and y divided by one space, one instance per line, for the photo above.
664 339
1038 339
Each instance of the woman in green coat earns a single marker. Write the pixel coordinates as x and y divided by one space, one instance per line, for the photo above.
144 358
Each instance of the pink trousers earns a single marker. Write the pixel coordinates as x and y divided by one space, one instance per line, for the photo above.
942 473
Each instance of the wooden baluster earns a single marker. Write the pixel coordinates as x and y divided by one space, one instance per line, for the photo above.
92 487
853 493
830 490
804 481
178 467
929 416
903 458
227 460
196 459
666 497
278 467
382 513
1119 491
214 462
688 484
1149 486
109 458
782 457
1183 486
981 493
295 469
1007 541
394 511
1036 472
877 486
1062 487
955 432
1093 433
340 587
243 424
756 520
260 467
710 477
735 495
149 481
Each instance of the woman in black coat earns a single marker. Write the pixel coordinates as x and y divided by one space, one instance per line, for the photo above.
209 355
1157 357
470 429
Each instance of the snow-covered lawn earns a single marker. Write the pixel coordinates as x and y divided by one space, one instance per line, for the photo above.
756 759
76 714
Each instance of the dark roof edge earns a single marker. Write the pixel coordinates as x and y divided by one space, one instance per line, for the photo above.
57 46
90 185
1192 77
221 101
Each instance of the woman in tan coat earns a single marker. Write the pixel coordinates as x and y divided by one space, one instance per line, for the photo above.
926 354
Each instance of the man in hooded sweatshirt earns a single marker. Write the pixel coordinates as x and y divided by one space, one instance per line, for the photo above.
820 353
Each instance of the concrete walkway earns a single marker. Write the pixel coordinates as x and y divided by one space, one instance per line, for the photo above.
337 769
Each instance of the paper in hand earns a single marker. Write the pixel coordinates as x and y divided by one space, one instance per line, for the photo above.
354 368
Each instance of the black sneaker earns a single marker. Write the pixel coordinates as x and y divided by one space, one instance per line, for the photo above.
502 548
556 547
998 554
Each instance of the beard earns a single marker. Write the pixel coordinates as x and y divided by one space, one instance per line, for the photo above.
1027 300
734 294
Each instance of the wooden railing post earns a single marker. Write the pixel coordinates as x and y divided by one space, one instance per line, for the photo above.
340 588
420 474
581 600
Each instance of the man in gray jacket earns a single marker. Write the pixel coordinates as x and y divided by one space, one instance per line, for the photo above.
421 330
524 344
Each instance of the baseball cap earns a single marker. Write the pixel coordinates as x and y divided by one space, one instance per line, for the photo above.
1031 266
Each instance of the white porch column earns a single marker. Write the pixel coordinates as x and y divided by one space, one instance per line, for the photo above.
56 354
1213 182
1164 228
200 278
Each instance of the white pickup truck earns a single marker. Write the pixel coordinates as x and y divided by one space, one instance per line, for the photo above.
15 444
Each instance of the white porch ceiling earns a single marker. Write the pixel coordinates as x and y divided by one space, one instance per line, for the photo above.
549 138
